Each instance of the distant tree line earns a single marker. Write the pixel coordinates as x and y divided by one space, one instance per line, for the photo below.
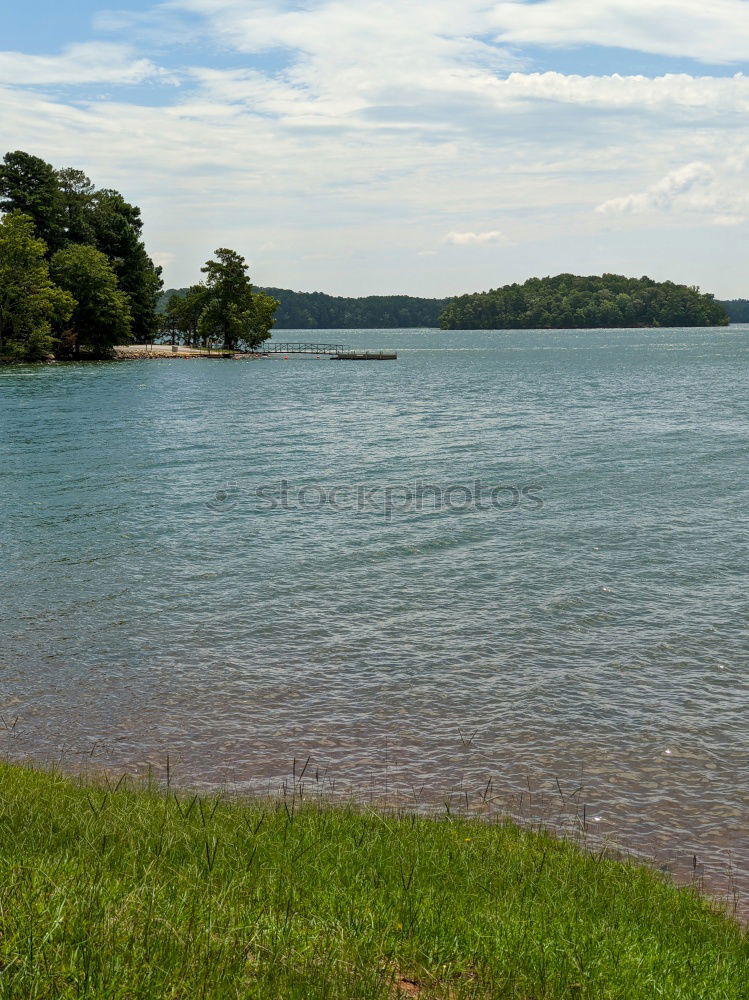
74 271
571 302
737 310
565 301
315 310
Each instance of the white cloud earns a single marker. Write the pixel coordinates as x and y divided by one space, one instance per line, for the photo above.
475 239
432 101
369 126
662 195
714 32
670 92
420 63
89 62
717 191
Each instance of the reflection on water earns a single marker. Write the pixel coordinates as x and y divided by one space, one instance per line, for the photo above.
159 598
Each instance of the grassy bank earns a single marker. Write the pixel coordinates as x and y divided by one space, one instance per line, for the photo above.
122 893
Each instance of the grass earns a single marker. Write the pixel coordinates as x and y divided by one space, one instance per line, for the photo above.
114 892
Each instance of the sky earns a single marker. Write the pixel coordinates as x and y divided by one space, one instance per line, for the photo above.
430 147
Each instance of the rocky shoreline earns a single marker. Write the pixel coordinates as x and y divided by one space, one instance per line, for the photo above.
148 352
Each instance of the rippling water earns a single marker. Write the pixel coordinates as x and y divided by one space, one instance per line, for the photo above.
169 586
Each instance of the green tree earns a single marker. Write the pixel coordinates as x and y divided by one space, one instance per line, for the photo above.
101 317
312 310
67 209
233 314
29 302
189 311
117 228
29 185
76 194
169 325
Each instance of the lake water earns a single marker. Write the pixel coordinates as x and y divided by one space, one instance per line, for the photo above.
507 559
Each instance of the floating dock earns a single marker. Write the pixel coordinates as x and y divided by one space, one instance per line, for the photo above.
336 352
365 356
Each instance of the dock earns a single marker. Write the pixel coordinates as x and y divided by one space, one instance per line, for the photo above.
336 352
365 356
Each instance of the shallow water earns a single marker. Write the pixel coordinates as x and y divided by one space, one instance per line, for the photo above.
586 627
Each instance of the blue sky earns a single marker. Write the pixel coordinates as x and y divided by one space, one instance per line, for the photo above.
372 146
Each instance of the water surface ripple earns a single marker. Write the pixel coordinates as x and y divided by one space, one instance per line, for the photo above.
157 598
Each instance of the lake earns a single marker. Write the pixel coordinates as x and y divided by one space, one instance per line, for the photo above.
507 570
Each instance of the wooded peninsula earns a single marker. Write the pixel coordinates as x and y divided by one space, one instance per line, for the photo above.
76 280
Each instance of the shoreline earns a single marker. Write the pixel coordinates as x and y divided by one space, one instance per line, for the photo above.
686 863
180 894
160 352
141 352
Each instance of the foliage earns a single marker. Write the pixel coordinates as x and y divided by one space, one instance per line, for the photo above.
77 194
223 311
101 317
117 228
315 310
29 302
737 309
311 310
233 314
570 302
181 318
68 211
114 893
30 185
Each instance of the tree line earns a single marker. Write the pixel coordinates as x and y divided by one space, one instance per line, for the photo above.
318 311
737 310
566 301
75 276
571 302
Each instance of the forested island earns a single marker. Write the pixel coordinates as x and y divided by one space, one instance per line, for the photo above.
76 280
568 301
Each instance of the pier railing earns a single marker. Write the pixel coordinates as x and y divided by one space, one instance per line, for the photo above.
271 347
336 352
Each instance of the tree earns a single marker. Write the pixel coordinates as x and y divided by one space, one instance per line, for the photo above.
67 209
233 314
29 302
29 185
76 194
117 227
102 316
187 310
169 322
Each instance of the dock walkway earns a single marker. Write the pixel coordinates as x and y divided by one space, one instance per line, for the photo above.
336 352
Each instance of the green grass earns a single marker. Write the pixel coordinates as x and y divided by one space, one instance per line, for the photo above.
135 894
